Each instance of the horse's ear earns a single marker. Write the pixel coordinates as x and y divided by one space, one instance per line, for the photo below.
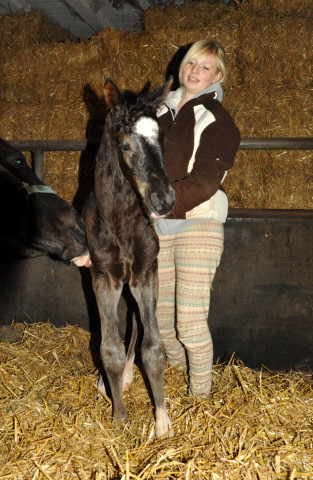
167 88
158 96
145 90
112 94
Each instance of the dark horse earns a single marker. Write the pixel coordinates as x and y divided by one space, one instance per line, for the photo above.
33 215
130 187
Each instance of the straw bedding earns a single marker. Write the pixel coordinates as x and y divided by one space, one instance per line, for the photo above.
44 74
256 425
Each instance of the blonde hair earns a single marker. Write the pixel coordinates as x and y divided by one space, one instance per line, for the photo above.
201 49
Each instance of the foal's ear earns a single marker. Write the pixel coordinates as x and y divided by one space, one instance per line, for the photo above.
112 95
158 96
145 90
167 87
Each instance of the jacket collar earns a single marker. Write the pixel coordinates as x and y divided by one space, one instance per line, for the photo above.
173 98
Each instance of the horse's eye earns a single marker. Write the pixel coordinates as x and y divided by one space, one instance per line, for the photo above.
20 161
124 147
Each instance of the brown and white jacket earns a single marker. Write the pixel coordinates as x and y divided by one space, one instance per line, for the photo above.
201 141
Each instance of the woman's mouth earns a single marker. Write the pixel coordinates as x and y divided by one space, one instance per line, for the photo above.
192 79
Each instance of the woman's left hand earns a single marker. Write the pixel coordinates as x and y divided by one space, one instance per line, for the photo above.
157 217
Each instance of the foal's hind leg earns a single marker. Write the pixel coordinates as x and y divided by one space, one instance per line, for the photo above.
112 348
152 353
128 373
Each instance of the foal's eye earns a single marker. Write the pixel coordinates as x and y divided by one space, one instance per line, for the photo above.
124 147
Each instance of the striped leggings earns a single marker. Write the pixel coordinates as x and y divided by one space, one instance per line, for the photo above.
187 263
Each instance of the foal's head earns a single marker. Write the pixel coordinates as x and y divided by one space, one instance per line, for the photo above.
134 124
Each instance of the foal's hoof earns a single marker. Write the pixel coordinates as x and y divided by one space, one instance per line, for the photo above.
120 418
128 376
101 386
163 425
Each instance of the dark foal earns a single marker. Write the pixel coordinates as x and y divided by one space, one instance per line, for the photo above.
130 186
33 215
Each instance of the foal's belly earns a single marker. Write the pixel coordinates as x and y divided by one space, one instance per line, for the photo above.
128 259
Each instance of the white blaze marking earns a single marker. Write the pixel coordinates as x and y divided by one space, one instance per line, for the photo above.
148 128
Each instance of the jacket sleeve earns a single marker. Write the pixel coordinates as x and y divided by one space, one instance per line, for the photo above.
215 155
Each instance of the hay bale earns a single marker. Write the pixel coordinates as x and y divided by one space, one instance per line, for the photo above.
275 52
31 28
184 18
255 424
271 112
277 7
55 90
273 180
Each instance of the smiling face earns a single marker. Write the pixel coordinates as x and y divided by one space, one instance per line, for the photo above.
199 73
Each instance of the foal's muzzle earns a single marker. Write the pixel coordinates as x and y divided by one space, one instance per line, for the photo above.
163 202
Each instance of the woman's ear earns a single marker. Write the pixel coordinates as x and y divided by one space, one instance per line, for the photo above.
218 77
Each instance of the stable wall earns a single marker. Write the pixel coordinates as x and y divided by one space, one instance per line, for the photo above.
261 307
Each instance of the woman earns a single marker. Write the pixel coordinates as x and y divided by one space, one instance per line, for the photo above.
201 140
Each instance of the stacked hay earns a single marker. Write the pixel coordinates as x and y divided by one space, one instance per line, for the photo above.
53 88
273 99
20 30
255 424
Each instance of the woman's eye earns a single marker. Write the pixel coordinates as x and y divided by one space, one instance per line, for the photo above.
124 147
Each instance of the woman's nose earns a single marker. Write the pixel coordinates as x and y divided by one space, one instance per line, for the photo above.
195 68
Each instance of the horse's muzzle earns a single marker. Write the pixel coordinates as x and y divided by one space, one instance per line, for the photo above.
163 202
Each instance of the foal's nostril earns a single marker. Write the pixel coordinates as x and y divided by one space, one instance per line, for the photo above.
163 202
155 200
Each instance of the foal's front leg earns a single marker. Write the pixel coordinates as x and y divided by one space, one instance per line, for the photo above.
112 349
152 353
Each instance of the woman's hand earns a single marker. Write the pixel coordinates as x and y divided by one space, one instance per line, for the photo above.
157 217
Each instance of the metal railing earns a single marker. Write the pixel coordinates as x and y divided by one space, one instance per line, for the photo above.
38 147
